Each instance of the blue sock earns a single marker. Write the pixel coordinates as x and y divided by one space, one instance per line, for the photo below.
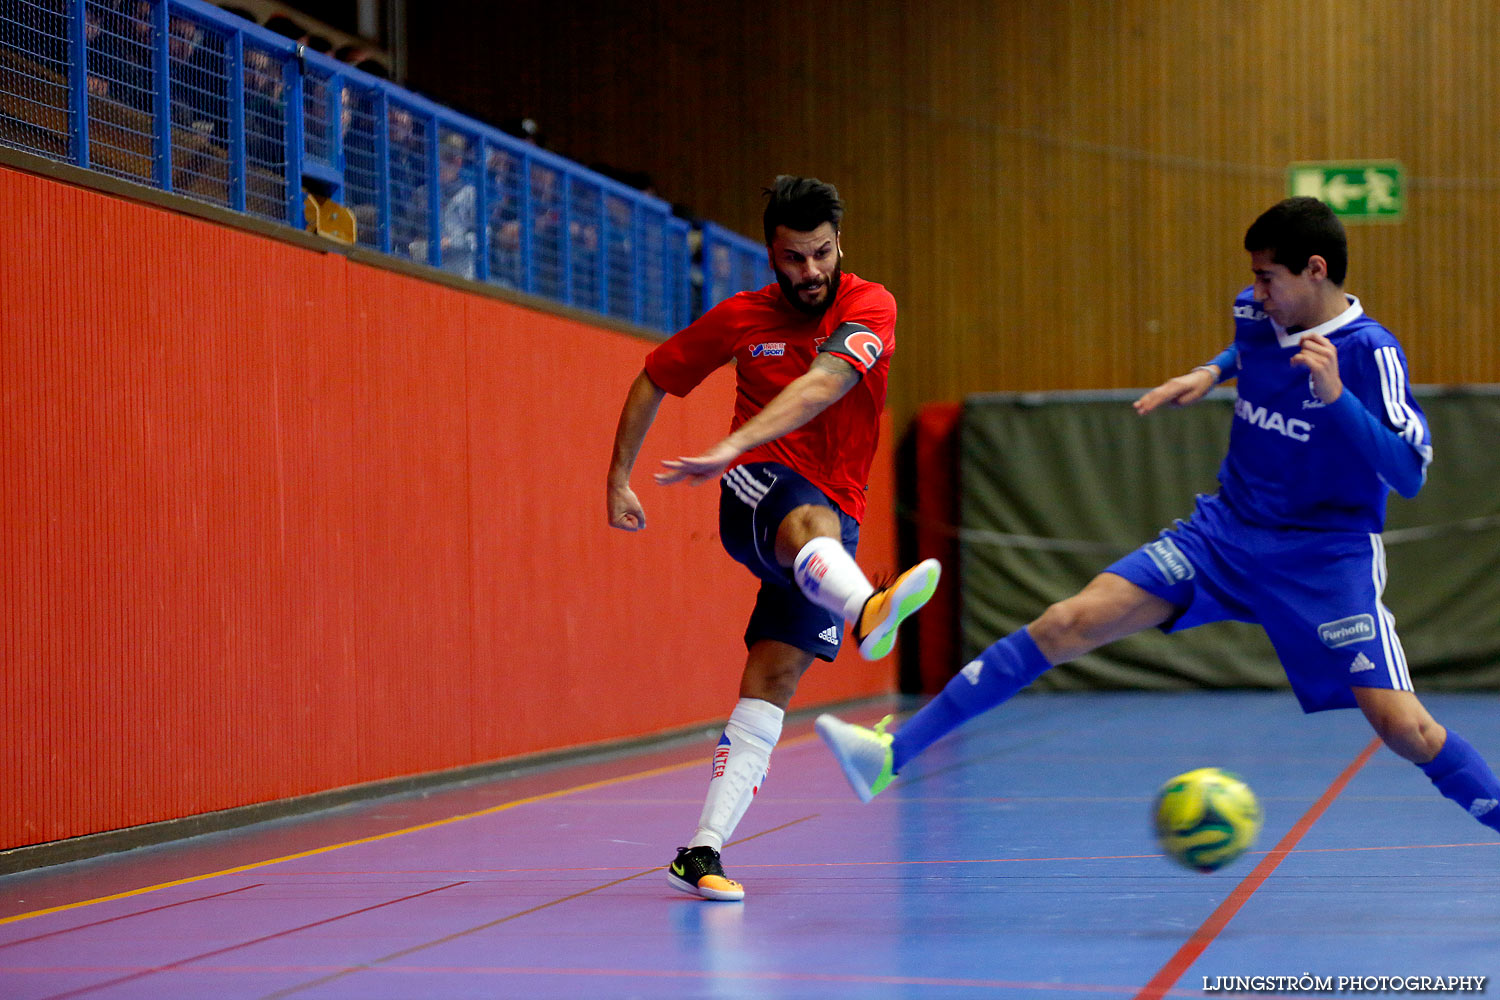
999 672
1462 775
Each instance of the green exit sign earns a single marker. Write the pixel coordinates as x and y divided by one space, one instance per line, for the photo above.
1357 191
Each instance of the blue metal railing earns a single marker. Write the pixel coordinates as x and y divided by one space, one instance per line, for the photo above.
181 96
731 263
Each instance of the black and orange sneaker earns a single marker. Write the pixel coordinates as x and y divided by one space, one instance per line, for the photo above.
697 870
888 607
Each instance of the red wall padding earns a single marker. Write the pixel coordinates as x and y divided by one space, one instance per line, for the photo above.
275 522
934 432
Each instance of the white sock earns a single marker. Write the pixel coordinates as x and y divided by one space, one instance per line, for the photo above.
831 578
741 761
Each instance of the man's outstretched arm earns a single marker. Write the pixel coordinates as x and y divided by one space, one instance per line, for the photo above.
824 384
636 416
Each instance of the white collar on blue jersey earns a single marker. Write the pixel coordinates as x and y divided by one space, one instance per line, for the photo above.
1343 319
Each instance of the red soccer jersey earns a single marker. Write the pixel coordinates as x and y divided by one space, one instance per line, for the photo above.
774 343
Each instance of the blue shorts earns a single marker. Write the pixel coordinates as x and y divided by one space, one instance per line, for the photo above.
1317 595
753 501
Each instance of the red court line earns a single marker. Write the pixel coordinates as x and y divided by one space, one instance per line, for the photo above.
153 970
1167 976
505 919
127 916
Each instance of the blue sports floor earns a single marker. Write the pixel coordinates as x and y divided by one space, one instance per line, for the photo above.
1013 860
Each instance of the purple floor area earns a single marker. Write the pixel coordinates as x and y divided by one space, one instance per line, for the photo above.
1014 858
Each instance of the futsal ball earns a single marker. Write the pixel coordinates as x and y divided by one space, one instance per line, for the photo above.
1206 818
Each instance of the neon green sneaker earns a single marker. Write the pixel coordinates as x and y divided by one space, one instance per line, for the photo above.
887 608
864 754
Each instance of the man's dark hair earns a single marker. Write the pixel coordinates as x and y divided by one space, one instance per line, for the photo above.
802 204
1296 229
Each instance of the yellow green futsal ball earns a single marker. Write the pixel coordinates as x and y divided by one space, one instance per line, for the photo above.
1206 818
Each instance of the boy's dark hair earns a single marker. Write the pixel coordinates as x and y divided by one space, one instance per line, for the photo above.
801 204
1296 229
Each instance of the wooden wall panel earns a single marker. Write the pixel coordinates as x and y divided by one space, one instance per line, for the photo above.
1056 192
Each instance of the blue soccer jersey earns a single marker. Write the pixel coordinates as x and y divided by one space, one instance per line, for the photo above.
1291 541
1292 461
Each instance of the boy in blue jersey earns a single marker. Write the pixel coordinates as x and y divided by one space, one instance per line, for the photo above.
1324 427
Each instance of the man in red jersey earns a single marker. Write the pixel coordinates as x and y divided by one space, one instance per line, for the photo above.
812 354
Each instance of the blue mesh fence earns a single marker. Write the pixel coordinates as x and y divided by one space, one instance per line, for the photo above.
731 263
198 73
619 235
121 88
364 162
407 142
35 96
457 200
677 289
182 96
506 195
265 115
317 114
548 262
657 293
585 233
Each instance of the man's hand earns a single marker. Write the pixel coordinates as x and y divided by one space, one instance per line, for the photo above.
1321 359
1179 391
625 511
698 469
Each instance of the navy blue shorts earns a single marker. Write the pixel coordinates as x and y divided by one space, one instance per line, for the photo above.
753 501
1317 595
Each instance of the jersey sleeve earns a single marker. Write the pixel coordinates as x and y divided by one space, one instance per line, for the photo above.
1228 363
682 361
867 331
1383 420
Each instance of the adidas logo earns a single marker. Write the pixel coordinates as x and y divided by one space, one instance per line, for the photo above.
970 672
1479 807
1361 664
830 634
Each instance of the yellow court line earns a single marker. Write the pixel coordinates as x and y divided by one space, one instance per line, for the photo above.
590 786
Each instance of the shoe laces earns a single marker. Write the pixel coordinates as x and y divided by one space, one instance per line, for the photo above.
880 726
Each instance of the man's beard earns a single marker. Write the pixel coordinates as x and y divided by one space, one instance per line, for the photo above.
789 292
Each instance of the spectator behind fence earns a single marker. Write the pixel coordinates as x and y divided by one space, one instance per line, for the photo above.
199 78
457 221
546 232
361 163
108 71
503 174
127 50
265 130
408 165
